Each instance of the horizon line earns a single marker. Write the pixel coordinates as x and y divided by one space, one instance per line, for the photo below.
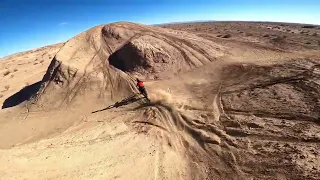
169 23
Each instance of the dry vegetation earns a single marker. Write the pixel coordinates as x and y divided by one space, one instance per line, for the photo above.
6 87
7 72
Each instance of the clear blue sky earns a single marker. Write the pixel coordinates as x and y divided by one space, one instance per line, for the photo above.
28 24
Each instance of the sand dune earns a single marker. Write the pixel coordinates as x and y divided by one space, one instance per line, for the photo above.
227 101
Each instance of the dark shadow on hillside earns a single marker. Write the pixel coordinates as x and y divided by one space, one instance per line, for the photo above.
123 102
23 95
127 58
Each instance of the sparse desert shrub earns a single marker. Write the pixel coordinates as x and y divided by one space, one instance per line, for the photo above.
35 63
266 35
278 39
309 26
15 70
7 87
11 76
226 36
288 30
315 34
304 32
308 43
6 73
41 61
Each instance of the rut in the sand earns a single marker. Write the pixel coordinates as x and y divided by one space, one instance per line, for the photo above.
205 145
234 144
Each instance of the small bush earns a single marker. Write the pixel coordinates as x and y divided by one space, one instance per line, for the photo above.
6 73
7 87
308 43
35 63
15 70
266 35
41 61
226 36
309 26
278 39
11 76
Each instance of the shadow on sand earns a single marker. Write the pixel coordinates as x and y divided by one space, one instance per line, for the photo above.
23 95
123 102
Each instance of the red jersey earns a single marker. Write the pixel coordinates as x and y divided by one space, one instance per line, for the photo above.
140 84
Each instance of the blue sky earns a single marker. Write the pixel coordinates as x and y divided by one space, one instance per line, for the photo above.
29 24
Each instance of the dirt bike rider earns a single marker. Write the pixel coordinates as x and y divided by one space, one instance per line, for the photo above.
141 88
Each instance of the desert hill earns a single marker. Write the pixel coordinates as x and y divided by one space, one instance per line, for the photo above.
229 100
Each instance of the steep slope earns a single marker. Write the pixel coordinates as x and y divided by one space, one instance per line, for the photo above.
95 60
22 69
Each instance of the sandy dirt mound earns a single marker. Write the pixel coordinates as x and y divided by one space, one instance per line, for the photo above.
95 61
222 106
